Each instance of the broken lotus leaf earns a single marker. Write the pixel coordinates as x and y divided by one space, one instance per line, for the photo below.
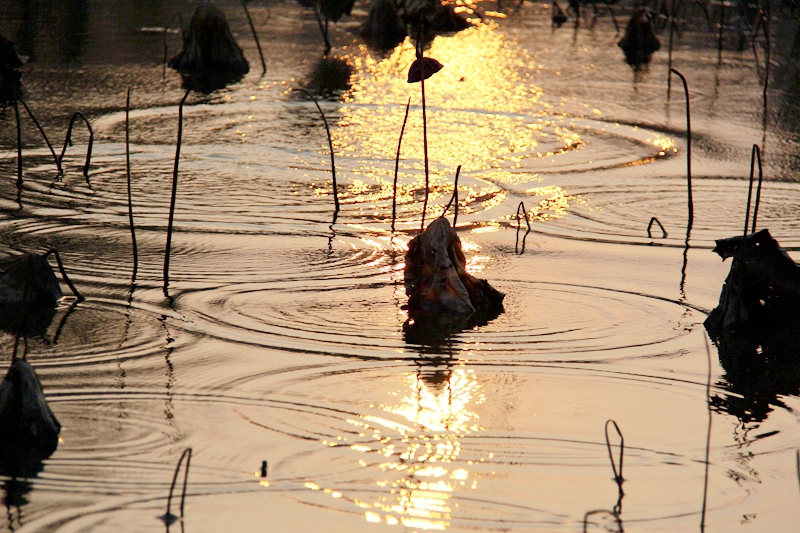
436 279
427 65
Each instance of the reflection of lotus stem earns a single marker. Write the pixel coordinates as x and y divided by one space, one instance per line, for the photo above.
756 155
19 147
128 173
255 36
330 145
68 141
64 273
397 165
24 315
424 144
708 440
41 130
188 454
688 148
454 199
174 191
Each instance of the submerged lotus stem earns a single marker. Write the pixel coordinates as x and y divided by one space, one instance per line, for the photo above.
755 155
654 220
41 130
330 145
454 199
68 141
174 191
255 36
688 147
187 453
128 174
397 165
64 273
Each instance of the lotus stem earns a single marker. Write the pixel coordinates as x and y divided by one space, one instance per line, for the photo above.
654 220
255 36
64 273
174 192
453 198
128 174
68 141
688 147
41 130
397 165
330 146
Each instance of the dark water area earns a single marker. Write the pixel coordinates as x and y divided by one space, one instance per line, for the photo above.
285 336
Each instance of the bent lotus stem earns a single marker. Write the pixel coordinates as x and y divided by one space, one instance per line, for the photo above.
453 199
617 473
755 155
68 141
255 36
187 453
397 164
174 192
128 175
64 273
44 135
330 146
521 207
688 147
654 220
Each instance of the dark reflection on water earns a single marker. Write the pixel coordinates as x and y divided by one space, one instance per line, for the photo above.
760 369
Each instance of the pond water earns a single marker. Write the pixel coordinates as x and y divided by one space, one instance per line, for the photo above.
284 337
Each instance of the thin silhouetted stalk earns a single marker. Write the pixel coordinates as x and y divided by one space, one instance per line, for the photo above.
330 145
755 155
169 517
255 36
397 165
19 147
521 207
424 142
797 460
68 141
708 442
654 220
688 147
323 29
174 192
41 130
64 273
453 199
128 175
617 473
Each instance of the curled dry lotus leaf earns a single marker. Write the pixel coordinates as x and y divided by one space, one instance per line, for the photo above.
436 279
36 272
762 289
423 65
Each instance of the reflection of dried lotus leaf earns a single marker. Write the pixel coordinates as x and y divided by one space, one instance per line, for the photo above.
210 58
427 65
640 41
762 289
32 269
26 422
436 279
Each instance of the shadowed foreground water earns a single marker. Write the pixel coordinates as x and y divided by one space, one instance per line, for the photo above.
285 337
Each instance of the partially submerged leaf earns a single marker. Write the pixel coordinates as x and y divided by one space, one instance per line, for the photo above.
423 65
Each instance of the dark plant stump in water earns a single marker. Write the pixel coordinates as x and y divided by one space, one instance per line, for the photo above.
28 428
384 28
210 59
436 279
762 290
10 77
640 41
